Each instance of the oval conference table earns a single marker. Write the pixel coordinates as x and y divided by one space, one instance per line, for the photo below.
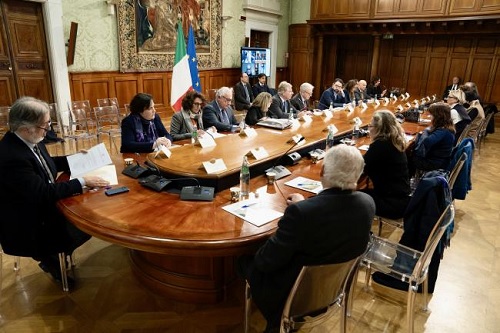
186 250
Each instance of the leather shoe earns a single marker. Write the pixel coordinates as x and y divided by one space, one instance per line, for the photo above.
394 283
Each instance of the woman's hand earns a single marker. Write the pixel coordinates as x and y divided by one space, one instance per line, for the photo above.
162 141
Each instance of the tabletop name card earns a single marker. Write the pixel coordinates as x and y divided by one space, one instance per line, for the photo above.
296 138
205 141
306 118
259 153
386 101
395 98
408 104
163 149
249 132
400 107
214 165
331 128
327 114
363 106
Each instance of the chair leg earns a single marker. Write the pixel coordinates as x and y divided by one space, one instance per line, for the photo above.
368 274
64 273
248 304
409 308
426 295
379 226
17 264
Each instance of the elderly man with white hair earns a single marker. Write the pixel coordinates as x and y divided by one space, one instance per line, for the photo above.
332 227
360 92
219 112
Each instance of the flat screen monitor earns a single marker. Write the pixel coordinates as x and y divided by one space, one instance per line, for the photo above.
255 60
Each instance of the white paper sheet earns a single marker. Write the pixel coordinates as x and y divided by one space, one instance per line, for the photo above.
251 211
82 163
306 184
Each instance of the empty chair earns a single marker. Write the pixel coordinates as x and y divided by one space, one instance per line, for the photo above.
56 134
110 101
482 130
318 291
85 105
108 122
78 129
407 264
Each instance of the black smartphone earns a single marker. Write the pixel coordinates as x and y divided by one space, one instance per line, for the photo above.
116 190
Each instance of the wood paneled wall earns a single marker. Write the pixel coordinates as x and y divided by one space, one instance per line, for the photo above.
390 9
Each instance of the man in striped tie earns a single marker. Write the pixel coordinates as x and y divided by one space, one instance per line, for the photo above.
31 224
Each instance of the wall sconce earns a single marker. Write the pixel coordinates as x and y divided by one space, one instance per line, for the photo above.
111 6
225 19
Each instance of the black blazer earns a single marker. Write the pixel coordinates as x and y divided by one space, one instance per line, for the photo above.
240 101
212 117
298 103
276 109
257 89
31 224
332 227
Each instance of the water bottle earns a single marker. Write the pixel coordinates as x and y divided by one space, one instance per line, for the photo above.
330 138
194 135
244 179
331 107
242 125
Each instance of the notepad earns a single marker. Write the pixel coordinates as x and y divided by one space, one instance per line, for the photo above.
306 184
253 211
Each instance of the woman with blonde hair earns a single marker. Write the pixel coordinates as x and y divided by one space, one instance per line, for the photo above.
259 108
386 166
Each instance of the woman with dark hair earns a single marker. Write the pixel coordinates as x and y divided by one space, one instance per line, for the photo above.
350 87
374 89
142 129
189 119
259 108
433 147
459 115
391 186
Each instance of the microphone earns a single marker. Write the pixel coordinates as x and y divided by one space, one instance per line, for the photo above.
280 170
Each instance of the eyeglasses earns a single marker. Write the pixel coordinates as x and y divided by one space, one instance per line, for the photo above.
229 100
46 129
197 104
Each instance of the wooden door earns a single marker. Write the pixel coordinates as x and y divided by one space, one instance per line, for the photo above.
24 65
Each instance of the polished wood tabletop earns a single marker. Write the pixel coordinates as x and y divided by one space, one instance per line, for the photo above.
169 237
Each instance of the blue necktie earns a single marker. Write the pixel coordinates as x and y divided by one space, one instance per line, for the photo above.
224 117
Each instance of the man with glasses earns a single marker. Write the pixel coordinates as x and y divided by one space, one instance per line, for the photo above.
31 224
301 100
334 96
219 113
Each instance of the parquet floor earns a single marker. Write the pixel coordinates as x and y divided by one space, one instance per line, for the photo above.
109 299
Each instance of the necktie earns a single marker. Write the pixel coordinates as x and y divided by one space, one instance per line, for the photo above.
224 117
44 164
285 106
247 95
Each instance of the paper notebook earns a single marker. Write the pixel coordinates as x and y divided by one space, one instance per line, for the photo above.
253 211
306 184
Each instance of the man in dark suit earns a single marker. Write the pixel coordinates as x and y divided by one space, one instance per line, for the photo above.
219 113
455 85
31 224
301 100
243 96
335 96
281 108
360 92
261 86
332 227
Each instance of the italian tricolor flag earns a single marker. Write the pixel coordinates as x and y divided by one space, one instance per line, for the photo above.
181 75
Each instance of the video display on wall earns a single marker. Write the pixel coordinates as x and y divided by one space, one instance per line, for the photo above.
255 60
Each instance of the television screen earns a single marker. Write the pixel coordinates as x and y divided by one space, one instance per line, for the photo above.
255 60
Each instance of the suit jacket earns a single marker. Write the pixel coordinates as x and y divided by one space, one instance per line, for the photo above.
276 109
181 126
240 101
257 89
130 143
253 115
361 95
31 224
329 97
332 227
212 117
298 103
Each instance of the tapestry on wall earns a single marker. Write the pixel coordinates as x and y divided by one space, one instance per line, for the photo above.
147 31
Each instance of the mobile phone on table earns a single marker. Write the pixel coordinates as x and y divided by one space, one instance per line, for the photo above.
116 190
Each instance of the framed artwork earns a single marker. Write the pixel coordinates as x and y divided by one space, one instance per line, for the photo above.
147 32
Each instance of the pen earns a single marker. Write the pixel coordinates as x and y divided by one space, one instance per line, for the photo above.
248 205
